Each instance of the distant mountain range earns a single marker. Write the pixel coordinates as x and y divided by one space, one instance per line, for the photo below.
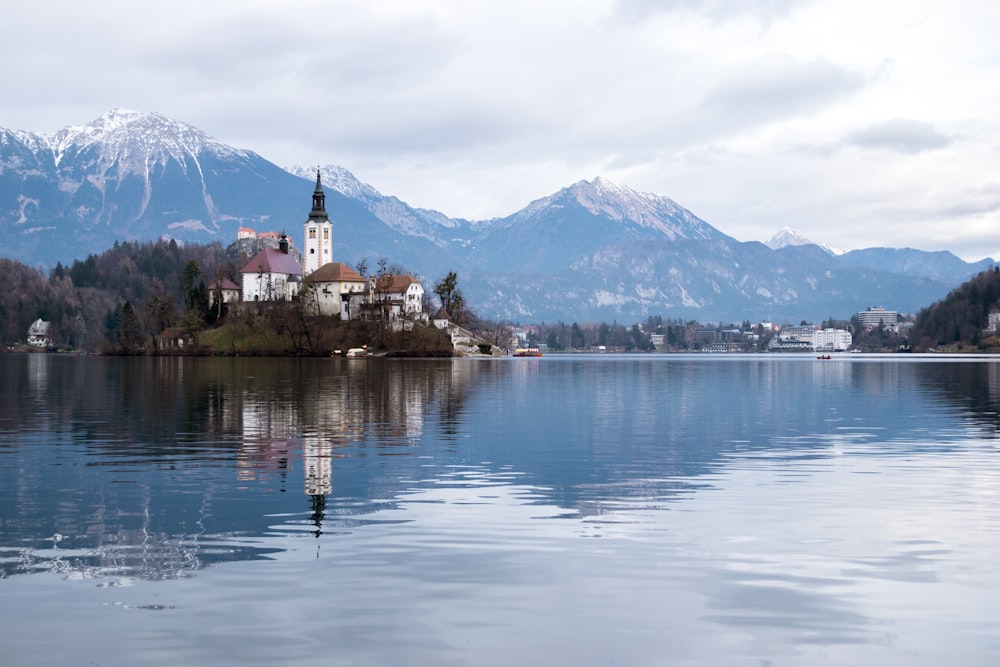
592 251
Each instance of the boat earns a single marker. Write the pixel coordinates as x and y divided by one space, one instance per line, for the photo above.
824 357
527 352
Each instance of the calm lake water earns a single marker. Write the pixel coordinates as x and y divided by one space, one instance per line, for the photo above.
568 510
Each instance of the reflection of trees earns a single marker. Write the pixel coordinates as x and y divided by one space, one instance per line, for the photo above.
972 387
152 467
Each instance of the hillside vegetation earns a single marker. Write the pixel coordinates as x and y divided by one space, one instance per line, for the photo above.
159 281
958 322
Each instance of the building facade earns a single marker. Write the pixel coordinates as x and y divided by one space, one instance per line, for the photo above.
873 317
271 275
832 340
332 286
38 333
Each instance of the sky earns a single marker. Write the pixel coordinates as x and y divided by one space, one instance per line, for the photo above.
858 123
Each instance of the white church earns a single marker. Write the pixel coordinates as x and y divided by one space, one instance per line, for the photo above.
274 275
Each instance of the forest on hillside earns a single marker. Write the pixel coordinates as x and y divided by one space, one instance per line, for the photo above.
960 320
85 301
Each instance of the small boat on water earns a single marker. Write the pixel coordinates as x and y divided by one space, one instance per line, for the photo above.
824 357
527 352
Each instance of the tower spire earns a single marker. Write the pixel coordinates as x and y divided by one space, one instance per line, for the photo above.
318 211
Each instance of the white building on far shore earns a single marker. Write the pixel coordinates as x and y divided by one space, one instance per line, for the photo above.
832 340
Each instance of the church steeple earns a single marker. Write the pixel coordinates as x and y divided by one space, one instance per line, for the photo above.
318 247
318 211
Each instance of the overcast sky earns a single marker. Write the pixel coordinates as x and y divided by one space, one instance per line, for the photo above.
858 123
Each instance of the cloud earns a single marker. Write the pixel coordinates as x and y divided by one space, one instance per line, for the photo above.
778 86
899 135
718 10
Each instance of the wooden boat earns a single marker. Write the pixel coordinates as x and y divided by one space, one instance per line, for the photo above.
527 352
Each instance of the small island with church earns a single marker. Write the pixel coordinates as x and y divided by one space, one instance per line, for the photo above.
283 301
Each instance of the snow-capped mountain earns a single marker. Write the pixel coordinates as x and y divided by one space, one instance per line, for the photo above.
593 250
128 175
631 209
787 237
552 233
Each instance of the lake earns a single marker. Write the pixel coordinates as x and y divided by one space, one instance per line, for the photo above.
564 510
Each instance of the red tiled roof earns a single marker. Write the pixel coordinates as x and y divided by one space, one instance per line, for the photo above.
332 272
272 260
401 283
224 283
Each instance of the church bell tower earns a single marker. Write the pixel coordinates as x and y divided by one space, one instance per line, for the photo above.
318 244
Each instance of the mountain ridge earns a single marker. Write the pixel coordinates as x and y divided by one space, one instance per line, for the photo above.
591 249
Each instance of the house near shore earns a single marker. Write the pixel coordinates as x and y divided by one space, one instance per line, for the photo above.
406 295
39 333
174 339
332 286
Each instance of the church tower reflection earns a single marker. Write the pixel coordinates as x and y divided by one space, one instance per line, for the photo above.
316 461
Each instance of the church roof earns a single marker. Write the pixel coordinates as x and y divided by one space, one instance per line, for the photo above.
272 260
332 272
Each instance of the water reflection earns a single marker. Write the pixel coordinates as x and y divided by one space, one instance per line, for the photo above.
154 468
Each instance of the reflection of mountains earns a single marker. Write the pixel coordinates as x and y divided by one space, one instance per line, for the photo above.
155 467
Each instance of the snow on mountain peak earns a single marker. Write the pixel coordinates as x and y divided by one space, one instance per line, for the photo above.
145 137
338 179
786 237
621 203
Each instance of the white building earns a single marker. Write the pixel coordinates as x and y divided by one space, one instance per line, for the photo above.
874 316
333 284
406 295
38 333
832 340
318 244
272 275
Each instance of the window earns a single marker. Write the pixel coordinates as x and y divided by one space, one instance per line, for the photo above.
312 232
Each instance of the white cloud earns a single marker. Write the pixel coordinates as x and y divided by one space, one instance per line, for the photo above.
900 134
778 86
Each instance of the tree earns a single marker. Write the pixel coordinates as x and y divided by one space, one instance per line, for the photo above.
130 330
451 298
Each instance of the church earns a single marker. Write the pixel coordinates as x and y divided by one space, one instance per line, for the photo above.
333 287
